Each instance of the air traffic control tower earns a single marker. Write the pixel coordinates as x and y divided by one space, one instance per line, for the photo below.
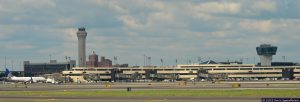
265 52
81 34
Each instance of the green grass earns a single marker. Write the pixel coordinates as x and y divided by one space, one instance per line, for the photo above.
203 93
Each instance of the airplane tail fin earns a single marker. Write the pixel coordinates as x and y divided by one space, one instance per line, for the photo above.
8 73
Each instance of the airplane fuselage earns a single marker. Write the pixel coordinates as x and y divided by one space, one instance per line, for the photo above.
27 79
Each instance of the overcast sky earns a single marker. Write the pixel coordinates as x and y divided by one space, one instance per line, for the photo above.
168 29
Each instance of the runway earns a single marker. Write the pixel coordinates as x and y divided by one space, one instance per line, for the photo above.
143 86
129 99
137 86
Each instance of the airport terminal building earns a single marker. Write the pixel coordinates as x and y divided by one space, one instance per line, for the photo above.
210 70
232 71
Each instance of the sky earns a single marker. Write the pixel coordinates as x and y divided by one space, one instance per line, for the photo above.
185 30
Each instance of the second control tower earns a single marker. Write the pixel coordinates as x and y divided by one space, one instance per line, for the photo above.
81 34
265 52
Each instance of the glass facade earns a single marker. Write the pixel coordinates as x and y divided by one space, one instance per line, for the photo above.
36 69
266 50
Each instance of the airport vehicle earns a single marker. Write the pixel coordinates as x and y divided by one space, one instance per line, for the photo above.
52 81
10 77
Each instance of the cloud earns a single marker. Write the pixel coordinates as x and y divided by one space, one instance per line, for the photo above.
15 6
181 29
157 18
218 7
130 21
152 4
70 34
269 6
18 46
118 7
66 21
259 8
263 26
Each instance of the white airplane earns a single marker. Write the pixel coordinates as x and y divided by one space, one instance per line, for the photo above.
10 77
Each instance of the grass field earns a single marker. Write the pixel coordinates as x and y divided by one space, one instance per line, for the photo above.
200 93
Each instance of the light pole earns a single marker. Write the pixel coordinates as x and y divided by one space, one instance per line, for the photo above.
144 60
5 61
12 65
115 60
199 60
68 59
162 62
149 61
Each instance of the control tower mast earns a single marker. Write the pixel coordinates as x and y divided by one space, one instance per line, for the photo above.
81 34
265 52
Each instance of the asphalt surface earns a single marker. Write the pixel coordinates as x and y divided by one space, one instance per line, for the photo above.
137 86
143 86
118 99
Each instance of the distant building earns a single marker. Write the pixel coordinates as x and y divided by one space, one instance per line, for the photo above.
94 62
105 62
35 69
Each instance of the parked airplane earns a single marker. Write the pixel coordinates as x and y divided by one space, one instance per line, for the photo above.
10 77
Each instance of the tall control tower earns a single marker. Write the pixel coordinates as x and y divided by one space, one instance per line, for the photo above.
81 34
265 52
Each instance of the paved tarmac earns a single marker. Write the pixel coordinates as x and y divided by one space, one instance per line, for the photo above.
127 99
137 86
116 99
